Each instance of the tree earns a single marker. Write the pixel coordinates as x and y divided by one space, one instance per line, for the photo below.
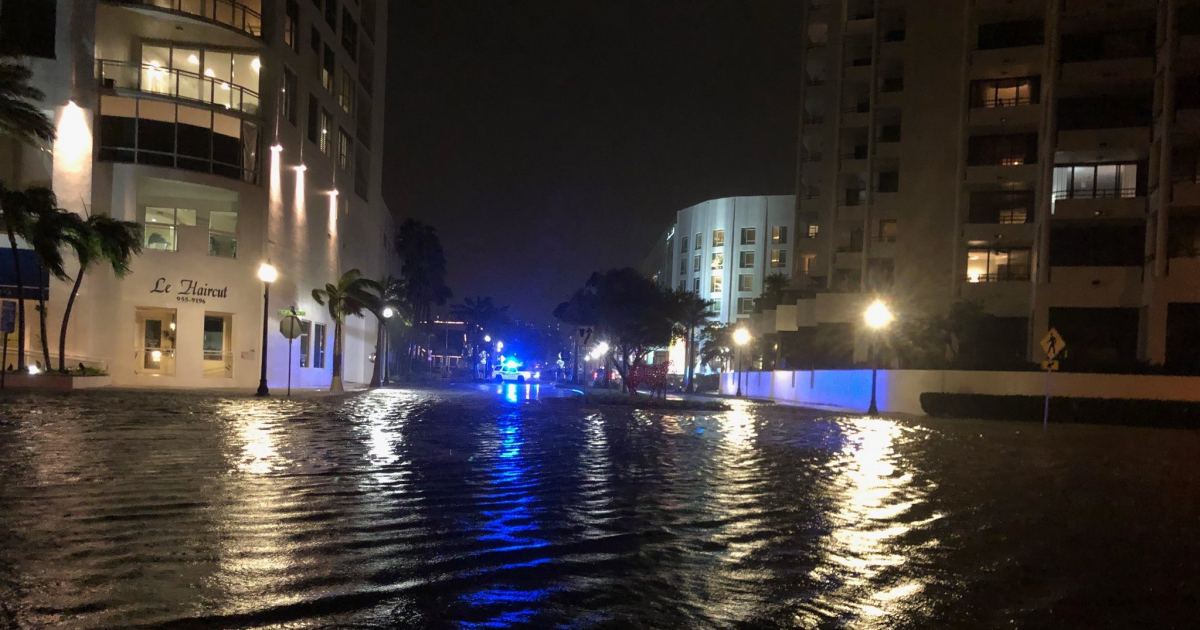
17 221
51 230
481 315
628 309
718 343
690 312
774 287
23 121
423 269
389 292
348 297
106 241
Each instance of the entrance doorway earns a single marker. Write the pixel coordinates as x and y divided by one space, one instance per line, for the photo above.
154 343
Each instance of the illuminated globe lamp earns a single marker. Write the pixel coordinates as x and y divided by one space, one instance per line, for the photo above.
268 274
388 312
877 316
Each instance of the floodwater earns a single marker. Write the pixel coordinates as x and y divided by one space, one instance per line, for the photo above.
488 508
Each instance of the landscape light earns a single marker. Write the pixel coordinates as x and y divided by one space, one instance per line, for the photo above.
741 336
878 315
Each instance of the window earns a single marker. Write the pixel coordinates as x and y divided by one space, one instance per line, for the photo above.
362 174
318 346
806 263
682 265
779 235
778 258
291 25
718 238
746 260
889 133
218 345
997 265
326 141
1004 207
1098 245
682 286
749 235
305 341
347 91
331 11
746 282
159 227
745 306
314 119
991 93
714 283
718 261
695 285
887 231
1002 150
889 181
1095 181
1010 34
813 230
1104 112
289 95
314 40
328 69
349 34
696 263
683 244
222 234
698 243
345 143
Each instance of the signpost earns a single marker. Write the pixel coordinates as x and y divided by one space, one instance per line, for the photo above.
8 324
583 335
290 327
1053 345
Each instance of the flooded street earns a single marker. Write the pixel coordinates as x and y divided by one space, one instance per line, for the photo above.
486 508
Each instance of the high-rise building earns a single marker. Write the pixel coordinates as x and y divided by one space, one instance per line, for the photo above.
1037 157
237 133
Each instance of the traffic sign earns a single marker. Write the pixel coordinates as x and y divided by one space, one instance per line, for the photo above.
290 327
1053 344
290 311
1050 365
585 334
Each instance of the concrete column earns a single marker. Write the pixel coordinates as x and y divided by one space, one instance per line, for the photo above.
1047 139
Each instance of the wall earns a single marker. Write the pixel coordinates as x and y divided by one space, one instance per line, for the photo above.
899 391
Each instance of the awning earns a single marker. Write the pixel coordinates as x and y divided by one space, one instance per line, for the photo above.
33 277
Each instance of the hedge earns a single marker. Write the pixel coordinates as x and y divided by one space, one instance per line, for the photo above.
1115 411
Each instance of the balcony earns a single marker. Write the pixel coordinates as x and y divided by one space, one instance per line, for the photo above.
1013 62
1000 233
176 84
231 14
848 260
1001 174
1129 142
1186 190
1095 286
1133 69
1014 116
1003 299
1100 207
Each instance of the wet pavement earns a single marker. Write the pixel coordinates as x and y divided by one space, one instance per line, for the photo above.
485 508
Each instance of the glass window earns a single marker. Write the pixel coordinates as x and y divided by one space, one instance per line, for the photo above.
683 264
222 234
695 285
718 238
718 260
887 231
778 257
154 342
331 13
682 285
696 263
319 345
746 282
1012 216
1004 92
305 341
813 230
328 68
314 119
1095 181
349 34
745 306
746 260
683 244
997 265
159 230
218 344
290 90
347 91
807 263
698 243
326 139
749 235
779 235
291 25
714 283
345 159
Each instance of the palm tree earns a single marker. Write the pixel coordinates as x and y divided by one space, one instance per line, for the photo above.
52 229
349 296
480 314
718 343
17 220
106 240
389 292
423 269
690 312
23 121
774 287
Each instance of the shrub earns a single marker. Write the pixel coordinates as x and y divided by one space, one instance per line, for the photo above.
1063 410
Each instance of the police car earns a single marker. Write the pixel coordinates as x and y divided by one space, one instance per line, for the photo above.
511 371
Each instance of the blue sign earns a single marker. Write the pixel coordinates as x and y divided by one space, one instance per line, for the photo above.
8 317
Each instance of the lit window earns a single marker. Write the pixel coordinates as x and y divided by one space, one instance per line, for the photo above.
746 260
746 282
714 284
749 235
325 141
318 346
1013 216
218 345
345 160
305 341
222 234
347 92
778 258
807 263
328 68
779 235
159 227
291 25
718 260
1095 181
718 238
997 265
697 241
812 231
1004 92
745 306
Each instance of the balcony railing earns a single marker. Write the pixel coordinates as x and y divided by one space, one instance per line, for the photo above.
1126 192
1016 275
883 239
854 197
229 13
152 79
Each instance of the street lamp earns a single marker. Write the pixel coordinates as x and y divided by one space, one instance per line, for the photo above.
487 339
878 316
499 346
741 337
388 312
267 274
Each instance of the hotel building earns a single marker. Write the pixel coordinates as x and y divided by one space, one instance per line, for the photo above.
236 132
1038 157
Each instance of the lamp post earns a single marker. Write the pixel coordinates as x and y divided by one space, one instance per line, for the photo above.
741 337
388 312
267 274
878 316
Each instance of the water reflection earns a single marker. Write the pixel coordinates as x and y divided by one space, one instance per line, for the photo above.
517 392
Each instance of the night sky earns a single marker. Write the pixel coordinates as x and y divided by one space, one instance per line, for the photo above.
547 139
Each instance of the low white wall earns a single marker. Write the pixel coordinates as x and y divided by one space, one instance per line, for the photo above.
900 390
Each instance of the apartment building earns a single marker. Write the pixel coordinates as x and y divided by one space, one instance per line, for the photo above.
722 249
237 132
1038 157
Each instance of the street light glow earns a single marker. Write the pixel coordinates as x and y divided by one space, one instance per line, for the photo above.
878 315
487 339
267 273
499 345
601 348
388 312
741 336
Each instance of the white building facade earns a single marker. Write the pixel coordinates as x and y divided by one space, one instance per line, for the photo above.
722 249
236 132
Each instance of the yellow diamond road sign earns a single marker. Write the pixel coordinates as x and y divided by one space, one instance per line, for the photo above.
1050 365
1053 344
